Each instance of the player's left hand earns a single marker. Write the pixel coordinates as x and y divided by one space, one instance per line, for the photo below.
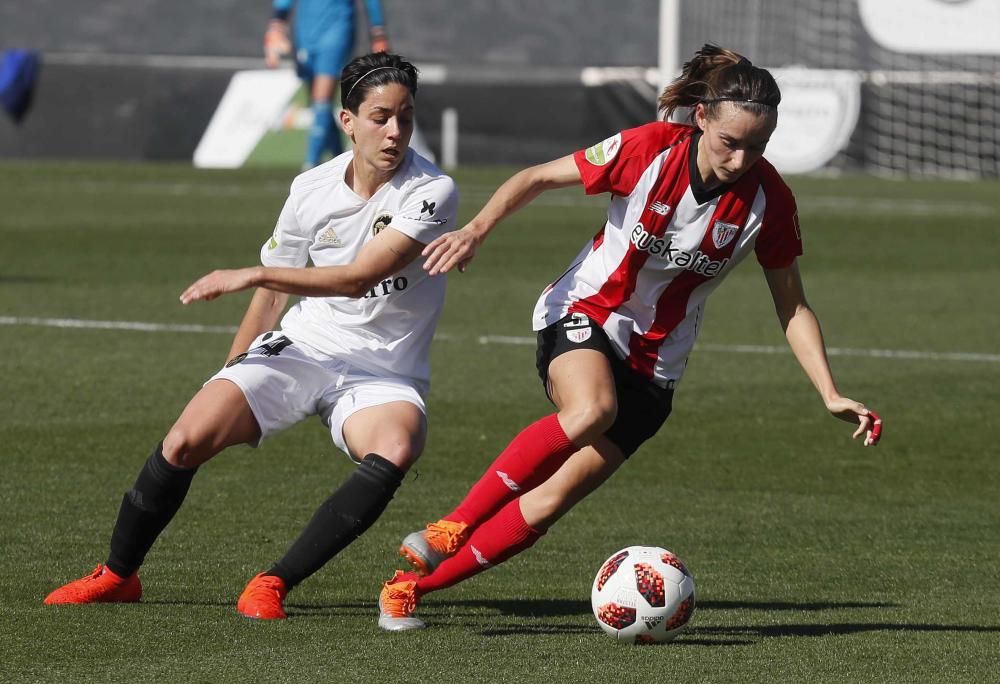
451 250
869 423
218 283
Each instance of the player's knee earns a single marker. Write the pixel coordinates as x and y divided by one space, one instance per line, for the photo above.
585 421
401 453
182 449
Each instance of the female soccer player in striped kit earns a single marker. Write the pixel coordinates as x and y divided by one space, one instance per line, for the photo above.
688 202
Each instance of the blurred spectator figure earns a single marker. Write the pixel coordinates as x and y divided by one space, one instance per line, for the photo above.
18 75
323 33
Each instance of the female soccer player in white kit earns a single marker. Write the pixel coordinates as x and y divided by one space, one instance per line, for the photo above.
353 351
615 330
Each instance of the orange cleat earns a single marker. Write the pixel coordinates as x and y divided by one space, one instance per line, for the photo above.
100 586
397 602
263 598
427 549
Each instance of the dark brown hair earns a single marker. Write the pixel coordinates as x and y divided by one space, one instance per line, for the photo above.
716 75
367 72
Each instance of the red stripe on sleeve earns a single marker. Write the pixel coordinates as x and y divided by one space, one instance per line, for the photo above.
616 164
779 241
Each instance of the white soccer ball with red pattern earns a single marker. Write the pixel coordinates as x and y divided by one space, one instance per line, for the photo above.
643 594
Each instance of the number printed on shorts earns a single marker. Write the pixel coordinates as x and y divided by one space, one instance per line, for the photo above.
271 347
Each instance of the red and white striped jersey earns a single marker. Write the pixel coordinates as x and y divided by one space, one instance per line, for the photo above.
666 245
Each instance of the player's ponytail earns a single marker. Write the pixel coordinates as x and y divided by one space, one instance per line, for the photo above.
716 75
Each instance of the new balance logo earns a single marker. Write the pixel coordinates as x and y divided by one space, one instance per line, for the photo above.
511 485
480 558
660 208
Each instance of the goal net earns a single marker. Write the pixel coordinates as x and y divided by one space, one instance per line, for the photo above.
927 74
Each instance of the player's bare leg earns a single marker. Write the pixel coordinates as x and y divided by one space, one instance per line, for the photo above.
387 439
582 387
581 474
512 530
218 416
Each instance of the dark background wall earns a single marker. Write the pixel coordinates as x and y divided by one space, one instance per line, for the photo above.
139 79
515 32
513 74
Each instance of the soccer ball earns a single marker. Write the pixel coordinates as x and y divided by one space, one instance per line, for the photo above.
643 595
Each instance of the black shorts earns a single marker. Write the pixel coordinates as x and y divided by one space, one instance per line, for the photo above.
643 406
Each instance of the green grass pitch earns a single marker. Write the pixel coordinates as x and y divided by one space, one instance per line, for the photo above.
815 560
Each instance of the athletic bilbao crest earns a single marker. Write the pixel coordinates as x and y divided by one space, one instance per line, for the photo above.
577 328
723 233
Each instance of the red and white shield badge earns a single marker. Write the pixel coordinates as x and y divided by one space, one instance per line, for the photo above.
723 233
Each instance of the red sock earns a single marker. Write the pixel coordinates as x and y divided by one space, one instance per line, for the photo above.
503 536
530 459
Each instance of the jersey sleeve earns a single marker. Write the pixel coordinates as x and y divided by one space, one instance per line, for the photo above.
430 210
780 240
615 165
289 244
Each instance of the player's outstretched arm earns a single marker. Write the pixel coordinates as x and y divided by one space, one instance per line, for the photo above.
387 254
802 330
459 247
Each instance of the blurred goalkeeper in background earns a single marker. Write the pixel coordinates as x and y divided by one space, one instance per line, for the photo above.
323 39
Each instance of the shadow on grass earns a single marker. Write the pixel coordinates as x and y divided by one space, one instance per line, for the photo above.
530 607
551 608
711 636
837 629
454 612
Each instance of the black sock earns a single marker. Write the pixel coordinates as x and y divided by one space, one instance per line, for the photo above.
340 519
146 510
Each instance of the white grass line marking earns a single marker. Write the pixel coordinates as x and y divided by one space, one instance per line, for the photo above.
116 325
775 349
143 326
140 326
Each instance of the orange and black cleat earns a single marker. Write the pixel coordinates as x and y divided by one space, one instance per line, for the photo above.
100 586
263 598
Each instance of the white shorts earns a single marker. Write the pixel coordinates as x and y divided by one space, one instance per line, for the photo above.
285 382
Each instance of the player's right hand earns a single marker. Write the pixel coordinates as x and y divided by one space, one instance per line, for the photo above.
218 283
869 423
451 249
277 43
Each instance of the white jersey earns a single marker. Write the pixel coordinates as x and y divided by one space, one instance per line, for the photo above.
666 245
389 330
